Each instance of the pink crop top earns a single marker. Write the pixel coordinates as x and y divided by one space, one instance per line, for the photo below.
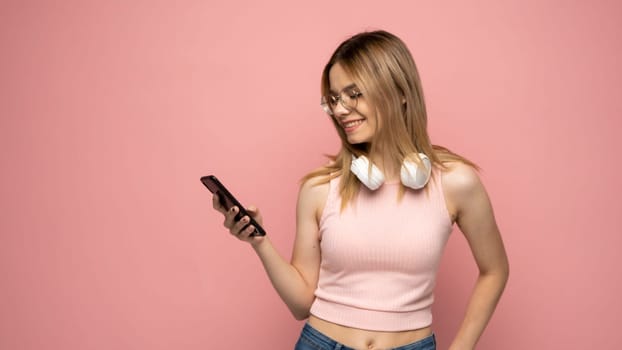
380 257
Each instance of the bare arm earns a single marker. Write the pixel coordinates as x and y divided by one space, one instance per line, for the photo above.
294 281
476 221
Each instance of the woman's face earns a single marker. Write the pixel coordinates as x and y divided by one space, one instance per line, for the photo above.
359 124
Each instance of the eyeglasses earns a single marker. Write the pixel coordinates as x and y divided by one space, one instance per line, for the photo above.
348 97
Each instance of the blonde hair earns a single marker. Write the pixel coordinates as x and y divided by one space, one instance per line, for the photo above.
382 66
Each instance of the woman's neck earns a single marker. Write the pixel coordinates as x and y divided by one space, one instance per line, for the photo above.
384 163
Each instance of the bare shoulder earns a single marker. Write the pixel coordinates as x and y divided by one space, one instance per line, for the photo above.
460 177
461 183
315 186
313 194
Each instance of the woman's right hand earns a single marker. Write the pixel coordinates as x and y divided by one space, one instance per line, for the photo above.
235 227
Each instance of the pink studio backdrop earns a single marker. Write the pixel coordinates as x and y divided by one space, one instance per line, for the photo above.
112 110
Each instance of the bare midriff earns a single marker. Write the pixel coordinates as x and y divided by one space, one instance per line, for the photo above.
366 339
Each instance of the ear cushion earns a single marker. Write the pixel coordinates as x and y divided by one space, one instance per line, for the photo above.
360 168
413 176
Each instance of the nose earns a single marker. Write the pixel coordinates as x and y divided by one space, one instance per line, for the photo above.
340 109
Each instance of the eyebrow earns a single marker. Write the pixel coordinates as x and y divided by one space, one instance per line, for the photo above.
353 85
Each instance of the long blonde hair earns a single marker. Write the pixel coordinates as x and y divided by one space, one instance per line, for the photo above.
382 66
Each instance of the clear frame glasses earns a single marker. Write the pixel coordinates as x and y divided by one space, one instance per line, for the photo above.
348 97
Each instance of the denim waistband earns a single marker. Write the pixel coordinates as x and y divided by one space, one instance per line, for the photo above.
324 342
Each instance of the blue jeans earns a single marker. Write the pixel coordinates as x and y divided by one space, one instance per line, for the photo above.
312 339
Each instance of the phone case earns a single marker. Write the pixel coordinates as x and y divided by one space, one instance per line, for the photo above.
227 200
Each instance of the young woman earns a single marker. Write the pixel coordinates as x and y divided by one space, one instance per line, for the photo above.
372 224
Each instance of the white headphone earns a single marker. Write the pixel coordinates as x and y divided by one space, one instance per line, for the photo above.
411 175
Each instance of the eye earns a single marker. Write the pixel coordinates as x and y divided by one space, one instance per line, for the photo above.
333 100
354 93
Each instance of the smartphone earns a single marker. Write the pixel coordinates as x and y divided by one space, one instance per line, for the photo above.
227 200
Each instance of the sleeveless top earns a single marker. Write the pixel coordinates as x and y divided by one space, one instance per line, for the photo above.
380 256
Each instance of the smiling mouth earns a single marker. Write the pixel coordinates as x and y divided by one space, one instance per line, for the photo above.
353 123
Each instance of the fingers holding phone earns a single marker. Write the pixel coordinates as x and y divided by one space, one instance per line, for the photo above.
224 202
244 229
254 217
216 203
240 227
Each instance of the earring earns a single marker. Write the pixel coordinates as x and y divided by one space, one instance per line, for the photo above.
410 173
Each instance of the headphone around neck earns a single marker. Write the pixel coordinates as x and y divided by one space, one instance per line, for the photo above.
411 174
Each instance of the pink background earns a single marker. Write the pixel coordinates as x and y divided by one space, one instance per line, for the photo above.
111 111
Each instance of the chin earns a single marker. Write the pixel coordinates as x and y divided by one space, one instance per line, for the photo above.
357 140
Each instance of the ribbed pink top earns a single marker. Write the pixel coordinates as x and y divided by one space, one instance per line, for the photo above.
380 257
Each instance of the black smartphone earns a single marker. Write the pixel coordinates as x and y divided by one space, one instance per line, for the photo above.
227 200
